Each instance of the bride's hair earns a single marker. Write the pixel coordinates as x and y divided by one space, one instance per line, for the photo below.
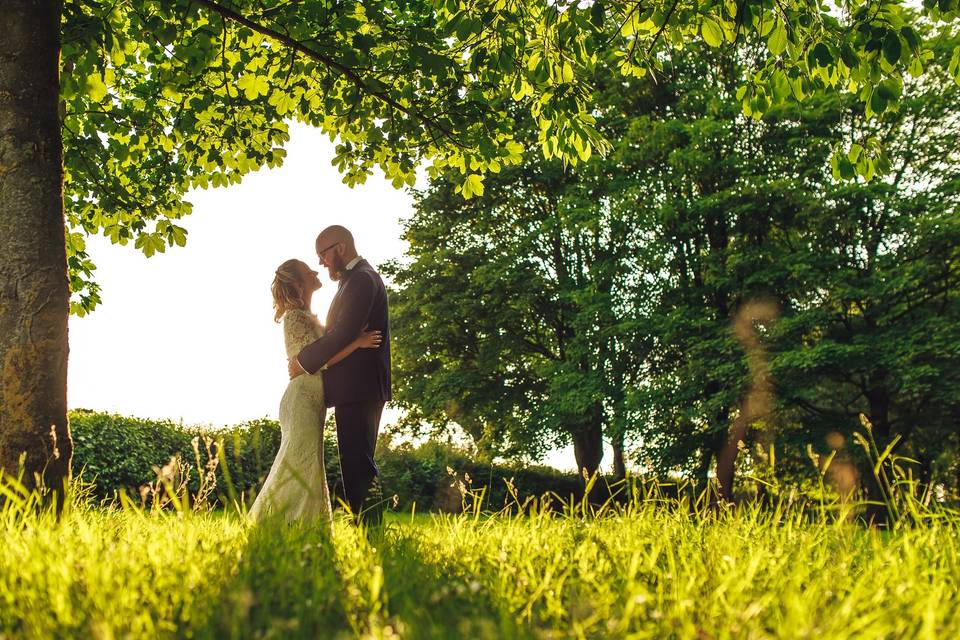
286 290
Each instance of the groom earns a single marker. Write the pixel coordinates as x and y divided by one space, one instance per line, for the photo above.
358 386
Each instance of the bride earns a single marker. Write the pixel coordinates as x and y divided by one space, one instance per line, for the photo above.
296 486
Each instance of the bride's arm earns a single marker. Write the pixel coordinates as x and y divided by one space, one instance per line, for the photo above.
366 340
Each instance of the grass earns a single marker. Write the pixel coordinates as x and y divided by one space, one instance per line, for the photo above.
648 571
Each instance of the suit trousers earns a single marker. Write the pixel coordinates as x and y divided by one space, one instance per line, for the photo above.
358 424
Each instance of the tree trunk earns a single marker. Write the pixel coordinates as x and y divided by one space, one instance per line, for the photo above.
757 401
588 443
702 472
34 290
588 450
619 464
957 468
727 457
878 401
957 480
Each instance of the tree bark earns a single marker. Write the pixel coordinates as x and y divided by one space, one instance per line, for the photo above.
702 472
727 457
956 474
878 400
588 443
757 402
619 464
34 289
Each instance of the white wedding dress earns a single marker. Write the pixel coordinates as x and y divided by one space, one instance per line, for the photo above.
296 486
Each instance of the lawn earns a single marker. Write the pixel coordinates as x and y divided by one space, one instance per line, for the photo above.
651 571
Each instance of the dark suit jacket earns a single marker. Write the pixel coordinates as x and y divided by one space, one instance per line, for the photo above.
364 375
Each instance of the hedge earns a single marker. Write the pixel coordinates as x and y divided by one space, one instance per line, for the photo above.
120 453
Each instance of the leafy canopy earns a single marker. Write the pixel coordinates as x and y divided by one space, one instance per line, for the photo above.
163 96
617 284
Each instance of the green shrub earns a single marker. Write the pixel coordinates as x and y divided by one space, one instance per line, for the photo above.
423 475
120 453
117 452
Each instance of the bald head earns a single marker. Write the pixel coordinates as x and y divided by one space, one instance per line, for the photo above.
333 234
335 248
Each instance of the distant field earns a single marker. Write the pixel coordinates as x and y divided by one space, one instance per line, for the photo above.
656 572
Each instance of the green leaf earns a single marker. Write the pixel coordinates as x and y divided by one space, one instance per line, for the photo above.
916 67
766 25
597 14
283 102
777 42
179 235
890 89
583 148
514 152
892 48
253 85
780 86
711 31
796 85
821 54
95 87
913 41
472 186
954 66
878 103
843 169
362 42
533 61
849 56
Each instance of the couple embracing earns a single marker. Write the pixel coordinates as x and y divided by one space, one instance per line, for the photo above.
343 364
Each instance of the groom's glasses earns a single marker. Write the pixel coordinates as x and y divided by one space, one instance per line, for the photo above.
323 251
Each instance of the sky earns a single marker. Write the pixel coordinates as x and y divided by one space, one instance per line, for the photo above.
188 335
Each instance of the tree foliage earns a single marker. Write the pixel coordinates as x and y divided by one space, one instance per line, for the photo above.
511 310
163 96
696 214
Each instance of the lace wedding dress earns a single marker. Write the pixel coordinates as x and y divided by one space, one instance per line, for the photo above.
296 486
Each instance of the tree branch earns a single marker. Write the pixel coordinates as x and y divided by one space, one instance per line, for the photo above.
330 63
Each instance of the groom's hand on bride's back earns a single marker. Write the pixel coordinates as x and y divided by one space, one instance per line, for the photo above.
294 368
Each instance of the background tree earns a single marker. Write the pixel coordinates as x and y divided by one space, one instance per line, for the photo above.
709 213
718 195
878 333
862 274
512 311
737 212
569 303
